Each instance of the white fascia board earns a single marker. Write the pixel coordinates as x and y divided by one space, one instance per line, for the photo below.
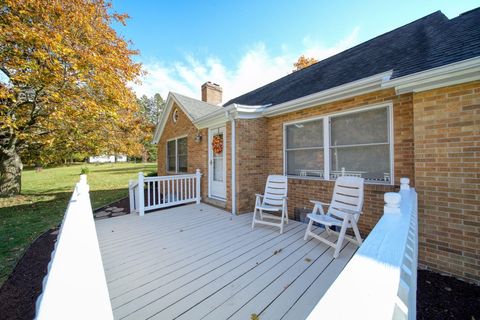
344 91
213 119
235 111
164 117
451 74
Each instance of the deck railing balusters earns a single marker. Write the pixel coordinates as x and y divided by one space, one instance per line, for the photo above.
164 191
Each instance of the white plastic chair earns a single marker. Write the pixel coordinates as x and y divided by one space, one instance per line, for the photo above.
274 200
344 211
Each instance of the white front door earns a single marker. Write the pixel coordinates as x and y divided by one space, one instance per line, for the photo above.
217 163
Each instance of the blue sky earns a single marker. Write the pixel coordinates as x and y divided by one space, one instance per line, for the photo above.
244 44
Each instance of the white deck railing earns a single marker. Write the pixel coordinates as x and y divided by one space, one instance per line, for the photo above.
380 281
75 286
163 191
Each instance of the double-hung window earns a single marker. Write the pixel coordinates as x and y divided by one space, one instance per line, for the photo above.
356 143
177 155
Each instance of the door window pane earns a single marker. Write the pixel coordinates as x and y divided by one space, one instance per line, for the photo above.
218 169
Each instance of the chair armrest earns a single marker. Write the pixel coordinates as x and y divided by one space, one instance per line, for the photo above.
259 195
319 202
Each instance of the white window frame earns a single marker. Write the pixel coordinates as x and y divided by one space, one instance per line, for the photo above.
176 154
326 141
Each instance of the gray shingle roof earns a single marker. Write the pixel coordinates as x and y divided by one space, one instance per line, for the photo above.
426 43
195 108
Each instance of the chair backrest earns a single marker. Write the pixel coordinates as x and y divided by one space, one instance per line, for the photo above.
347 194
275 190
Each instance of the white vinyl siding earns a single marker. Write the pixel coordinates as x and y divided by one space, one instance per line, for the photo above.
354 143
177 155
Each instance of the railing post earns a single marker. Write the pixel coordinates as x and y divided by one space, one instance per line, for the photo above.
404 184
198 177
141 196
392 203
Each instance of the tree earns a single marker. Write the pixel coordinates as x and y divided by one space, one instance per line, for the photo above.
151 109
303 62
66 74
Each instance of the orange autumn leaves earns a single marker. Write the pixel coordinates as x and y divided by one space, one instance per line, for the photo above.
303 62
78 68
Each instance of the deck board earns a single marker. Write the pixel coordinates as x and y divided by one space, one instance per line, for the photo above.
196 261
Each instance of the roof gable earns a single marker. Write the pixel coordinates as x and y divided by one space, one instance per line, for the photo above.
193 108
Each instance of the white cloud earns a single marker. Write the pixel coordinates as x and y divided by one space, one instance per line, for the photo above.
257 67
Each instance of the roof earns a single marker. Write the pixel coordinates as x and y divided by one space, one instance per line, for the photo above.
193 107
430 42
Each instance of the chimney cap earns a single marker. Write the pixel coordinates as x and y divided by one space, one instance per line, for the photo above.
209 83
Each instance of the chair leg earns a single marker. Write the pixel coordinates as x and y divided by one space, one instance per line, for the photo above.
309 227
281 225
254 216
340 238
356 231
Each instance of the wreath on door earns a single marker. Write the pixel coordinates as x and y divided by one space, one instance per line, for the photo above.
217 144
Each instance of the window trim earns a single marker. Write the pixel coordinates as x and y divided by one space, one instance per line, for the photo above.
176 155
327 144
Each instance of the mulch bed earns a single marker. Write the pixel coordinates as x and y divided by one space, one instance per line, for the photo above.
19 293
444 297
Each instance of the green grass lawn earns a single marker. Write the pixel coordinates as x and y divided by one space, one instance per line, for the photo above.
44 198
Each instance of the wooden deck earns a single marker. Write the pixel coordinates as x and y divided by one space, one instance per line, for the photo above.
198 262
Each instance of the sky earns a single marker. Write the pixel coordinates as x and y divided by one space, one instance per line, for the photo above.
242 45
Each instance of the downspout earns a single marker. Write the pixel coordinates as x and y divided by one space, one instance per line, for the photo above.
234 180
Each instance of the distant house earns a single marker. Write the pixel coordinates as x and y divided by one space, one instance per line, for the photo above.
107 159
406 103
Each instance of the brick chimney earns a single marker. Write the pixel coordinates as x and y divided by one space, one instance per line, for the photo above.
211 93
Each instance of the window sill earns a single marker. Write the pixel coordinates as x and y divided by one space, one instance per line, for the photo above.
330 180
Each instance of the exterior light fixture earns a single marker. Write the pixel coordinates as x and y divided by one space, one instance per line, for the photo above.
198 137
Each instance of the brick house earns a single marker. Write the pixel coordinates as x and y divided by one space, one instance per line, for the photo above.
404 104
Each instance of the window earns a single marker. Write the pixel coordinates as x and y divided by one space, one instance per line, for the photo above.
177 159
304 148
358 145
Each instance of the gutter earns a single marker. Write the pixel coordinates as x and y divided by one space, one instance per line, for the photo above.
348 90
451 74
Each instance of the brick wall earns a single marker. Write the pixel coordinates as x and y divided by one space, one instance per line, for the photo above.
447 174
252 161
197 151
303 190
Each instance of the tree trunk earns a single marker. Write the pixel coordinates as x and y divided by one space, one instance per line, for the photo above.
10 173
